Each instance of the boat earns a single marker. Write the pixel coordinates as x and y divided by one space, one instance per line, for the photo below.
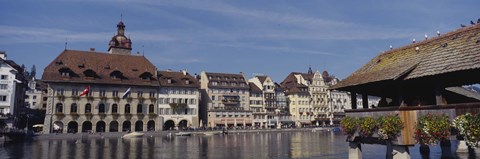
132 135
183 134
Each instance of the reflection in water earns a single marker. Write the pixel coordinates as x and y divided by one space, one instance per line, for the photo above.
231 146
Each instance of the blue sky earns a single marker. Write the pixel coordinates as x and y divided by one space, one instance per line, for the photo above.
266 37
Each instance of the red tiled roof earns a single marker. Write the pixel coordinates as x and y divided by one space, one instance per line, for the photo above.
455 51
130 68
177 79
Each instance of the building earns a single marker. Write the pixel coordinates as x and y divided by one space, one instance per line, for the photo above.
267 88
12 90
225 100
178 99
283 113
256 105
36 95
101 92
298 95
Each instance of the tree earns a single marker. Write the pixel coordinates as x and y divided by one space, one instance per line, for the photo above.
33 71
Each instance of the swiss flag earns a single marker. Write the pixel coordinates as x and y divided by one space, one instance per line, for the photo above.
85 91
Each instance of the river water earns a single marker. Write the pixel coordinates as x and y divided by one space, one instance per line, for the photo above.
304 144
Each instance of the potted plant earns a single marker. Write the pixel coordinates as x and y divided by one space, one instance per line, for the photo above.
469 128
367 126
349 126
432 128
390 127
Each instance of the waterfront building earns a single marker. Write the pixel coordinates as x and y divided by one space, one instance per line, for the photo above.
282 114
101 92
225 100
268 100
36 94
12 90
178 99
296 89
256 105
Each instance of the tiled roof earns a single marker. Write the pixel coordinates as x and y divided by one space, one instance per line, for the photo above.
455 51
17 67
128 69
262 79
254 88
291 85
235 81
177 79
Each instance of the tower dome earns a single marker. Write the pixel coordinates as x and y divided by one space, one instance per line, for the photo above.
120 44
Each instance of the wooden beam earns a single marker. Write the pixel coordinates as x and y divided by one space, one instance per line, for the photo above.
439 100
353 99
365 100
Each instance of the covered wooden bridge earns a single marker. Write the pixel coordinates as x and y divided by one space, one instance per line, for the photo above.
423 77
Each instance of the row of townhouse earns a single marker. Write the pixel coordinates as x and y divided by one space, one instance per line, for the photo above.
117 91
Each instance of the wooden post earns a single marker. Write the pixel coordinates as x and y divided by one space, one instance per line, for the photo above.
353 99
365 101
438 95
354 150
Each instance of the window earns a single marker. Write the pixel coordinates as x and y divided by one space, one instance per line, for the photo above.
4 77
169 80
114 108
151 108
213 97
101 108
187 82
73 108
140 93
34 103
152 94
60 91
115 93
3 86
102 93
59 108
139 108
74 92
88 108
127 108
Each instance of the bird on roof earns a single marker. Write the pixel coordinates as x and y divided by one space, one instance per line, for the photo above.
471 22
463 25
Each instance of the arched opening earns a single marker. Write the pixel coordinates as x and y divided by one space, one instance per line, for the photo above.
139 126
100 126
146 76
88 108
127 108
73 108
101 108
114 108
59 108
117 75
183 124
126 126
169 125
57 127
151 125
151 108
72 127
139 108
87 126
113 126
90 74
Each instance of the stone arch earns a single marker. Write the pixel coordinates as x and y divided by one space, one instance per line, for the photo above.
169 125
183 124
114 108
126 126
88 108
113 126
127 108
151 108
72 127
139 125
87 126
101 108
57 127
151 125
73 108
139 108
100 126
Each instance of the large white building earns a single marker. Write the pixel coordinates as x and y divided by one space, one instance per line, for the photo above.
178 100
36 95
12 89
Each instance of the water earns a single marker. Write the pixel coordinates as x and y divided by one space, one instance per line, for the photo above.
243 145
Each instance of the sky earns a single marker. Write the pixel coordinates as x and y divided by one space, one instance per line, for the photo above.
271 37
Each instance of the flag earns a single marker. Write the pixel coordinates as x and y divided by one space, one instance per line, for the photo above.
126 93
85 91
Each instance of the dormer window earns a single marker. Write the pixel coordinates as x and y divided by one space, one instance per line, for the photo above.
187 81
209 77
90 74
116 75
146 76
65 72
169 81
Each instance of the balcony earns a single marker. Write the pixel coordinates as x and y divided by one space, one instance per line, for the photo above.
231 101
178 105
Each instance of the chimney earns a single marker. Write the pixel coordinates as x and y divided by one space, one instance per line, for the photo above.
3 55
92 49
184 72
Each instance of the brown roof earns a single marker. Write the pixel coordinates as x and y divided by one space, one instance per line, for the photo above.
455 51
231 80
291 85
254 88
262 78
129 69
177 79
